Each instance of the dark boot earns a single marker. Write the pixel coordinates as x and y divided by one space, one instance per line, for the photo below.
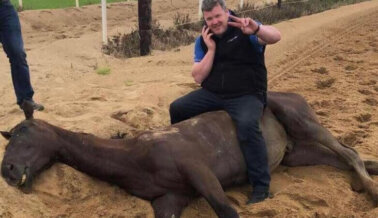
259 196
36 106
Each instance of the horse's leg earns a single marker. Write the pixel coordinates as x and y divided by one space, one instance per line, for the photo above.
302 125
371 166
322 136
170 205
207 184
305 154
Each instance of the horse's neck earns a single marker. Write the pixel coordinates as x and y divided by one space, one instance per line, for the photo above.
103 158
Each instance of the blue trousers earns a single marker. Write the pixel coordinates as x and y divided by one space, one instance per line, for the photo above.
246 112
11 39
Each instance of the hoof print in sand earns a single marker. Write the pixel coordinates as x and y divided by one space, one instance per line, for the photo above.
363 118
320 70
371 102
323 84
365 92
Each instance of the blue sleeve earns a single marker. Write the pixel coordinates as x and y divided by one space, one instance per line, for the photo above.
198 51
255 42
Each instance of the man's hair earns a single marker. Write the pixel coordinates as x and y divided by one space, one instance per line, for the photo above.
208 5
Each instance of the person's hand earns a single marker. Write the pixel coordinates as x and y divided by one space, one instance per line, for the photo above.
247 25
206 35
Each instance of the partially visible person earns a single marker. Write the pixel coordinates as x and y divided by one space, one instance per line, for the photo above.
11 39
230 66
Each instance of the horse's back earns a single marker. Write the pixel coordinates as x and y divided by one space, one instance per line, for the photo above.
211 139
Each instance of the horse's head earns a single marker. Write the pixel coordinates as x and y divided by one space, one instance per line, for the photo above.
30 150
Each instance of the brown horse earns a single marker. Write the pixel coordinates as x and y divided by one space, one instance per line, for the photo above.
171 166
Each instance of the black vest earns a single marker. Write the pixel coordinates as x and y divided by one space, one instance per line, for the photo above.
238 67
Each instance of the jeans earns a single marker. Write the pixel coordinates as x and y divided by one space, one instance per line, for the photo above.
246 112
11 39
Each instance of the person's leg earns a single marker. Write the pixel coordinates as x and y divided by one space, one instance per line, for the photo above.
192 104
11 39
246 112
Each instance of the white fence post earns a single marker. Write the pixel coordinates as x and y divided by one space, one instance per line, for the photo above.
199 9
20 4
77 3
104 24
241 3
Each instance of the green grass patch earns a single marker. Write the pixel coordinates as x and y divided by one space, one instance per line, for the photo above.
129 83
54 4
103 71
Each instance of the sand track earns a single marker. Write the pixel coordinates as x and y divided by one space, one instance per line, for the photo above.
330 58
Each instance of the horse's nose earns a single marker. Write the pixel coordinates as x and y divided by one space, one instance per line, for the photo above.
11 170
9 166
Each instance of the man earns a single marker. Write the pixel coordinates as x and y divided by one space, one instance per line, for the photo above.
11 39
229 65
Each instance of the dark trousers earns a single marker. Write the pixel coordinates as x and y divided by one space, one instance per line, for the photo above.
246 112
11 39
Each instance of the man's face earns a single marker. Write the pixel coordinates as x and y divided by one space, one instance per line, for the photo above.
216 19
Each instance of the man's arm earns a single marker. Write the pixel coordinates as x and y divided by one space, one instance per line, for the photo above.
265 34
268 35
202 69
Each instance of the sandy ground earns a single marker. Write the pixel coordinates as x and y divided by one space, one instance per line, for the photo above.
330 58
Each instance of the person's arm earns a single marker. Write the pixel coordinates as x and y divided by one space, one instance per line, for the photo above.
265 34
268 35
202 69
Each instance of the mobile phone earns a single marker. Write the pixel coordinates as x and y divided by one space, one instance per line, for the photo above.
204 24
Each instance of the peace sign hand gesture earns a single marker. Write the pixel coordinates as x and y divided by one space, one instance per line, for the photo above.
247 25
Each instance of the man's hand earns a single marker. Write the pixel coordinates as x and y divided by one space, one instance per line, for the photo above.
206 35
247 25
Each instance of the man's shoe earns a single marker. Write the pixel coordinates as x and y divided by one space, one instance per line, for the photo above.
36 106
257 197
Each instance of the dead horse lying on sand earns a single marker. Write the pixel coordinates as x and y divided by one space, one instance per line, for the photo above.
171 166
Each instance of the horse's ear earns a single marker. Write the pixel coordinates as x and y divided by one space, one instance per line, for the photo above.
28 109
6 135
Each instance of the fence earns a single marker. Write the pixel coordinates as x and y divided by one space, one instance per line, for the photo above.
104 13
145 34
104 27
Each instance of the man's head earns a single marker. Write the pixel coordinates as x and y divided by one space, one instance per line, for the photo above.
215 15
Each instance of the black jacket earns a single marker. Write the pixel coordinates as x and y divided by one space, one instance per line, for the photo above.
238 68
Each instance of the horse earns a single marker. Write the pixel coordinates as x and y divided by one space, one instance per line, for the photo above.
172 165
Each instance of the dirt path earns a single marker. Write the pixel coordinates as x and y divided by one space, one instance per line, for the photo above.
330 58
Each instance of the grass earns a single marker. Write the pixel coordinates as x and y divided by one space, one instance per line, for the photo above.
129 83
54 4
123 45
103 71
